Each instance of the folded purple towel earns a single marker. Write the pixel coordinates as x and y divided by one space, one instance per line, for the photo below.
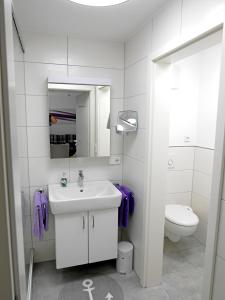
44 203
40 222
127 205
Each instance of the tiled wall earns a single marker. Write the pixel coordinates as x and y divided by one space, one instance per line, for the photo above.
203 167
22 152
180 175
193 114
175 19
135 144
50 55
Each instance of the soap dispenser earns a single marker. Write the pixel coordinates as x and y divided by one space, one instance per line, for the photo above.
63 180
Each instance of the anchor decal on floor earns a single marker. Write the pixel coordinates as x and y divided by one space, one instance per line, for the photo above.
88 284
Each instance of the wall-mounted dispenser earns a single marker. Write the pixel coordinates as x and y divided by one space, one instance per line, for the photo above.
127 121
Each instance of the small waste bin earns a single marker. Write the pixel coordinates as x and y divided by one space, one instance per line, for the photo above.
124 261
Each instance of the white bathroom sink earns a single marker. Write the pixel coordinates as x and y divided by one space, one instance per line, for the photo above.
93 195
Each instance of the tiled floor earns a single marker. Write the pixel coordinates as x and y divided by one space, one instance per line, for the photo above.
182 276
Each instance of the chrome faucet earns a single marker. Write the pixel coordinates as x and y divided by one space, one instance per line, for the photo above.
80 178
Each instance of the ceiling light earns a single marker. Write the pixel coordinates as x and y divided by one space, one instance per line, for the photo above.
99 2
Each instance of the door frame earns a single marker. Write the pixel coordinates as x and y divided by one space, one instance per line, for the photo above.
12 212
6 270
154 232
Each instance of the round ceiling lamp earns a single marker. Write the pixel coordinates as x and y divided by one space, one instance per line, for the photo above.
99 2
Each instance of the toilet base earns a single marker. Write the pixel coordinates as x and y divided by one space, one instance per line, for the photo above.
172 237
175 232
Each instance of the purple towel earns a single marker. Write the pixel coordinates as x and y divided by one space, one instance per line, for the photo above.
38 227
44 204
127 205
40 215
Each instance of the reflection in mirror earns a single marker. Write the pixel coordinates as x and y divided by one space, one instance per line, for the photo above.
79 120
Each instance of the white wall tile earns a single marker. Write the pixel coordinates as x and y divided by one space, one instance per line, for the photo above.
136 78
210 65
139 46
116 142
92 53
44 251
45 48
18 54
200 206
116 76
37 77
167 24
19 78
139 104
204 160
194 13
116 106
182 158
24 175
135 144
38 141
133 178
37 110
22 141
202 184
95 169
221 239
21 110
25 199
219 286
179 181
27 229
179 198
201 232
44 171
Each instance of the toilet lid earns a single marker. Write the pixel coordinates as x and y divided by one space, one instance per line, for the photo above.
181 215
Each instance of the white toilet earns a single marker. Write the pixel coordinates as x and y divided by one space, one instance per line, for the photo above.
180 221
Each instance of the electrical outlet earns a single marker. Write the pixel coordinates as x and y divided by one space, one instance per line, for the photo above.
115 160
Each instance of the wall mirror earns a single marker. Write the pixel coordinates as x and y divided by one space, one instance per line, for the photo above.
79 120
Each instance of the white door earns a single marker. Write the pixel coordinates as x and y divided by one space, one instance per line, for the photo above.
103 235
71 239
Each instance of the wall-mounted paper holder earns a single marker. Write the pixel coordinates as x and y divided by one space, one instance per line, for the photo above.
127 121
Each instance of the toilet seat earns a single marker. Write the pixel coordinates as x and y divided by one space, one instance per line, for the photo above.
181 215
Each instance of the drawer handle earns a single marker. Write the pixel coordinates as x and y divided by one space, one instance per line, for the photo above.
93 222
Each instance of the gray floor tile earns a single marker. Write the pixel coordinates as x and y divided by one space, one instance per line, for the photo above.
185 285
169 246
156 293
175 262
187 243
182 276
194 256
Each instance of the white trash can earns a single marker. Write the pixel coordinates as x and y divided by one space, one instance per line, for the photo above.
124 263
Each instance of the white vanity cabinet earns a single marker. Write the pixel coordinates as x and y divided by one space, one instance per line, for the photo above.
71 239
103 234
86 237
